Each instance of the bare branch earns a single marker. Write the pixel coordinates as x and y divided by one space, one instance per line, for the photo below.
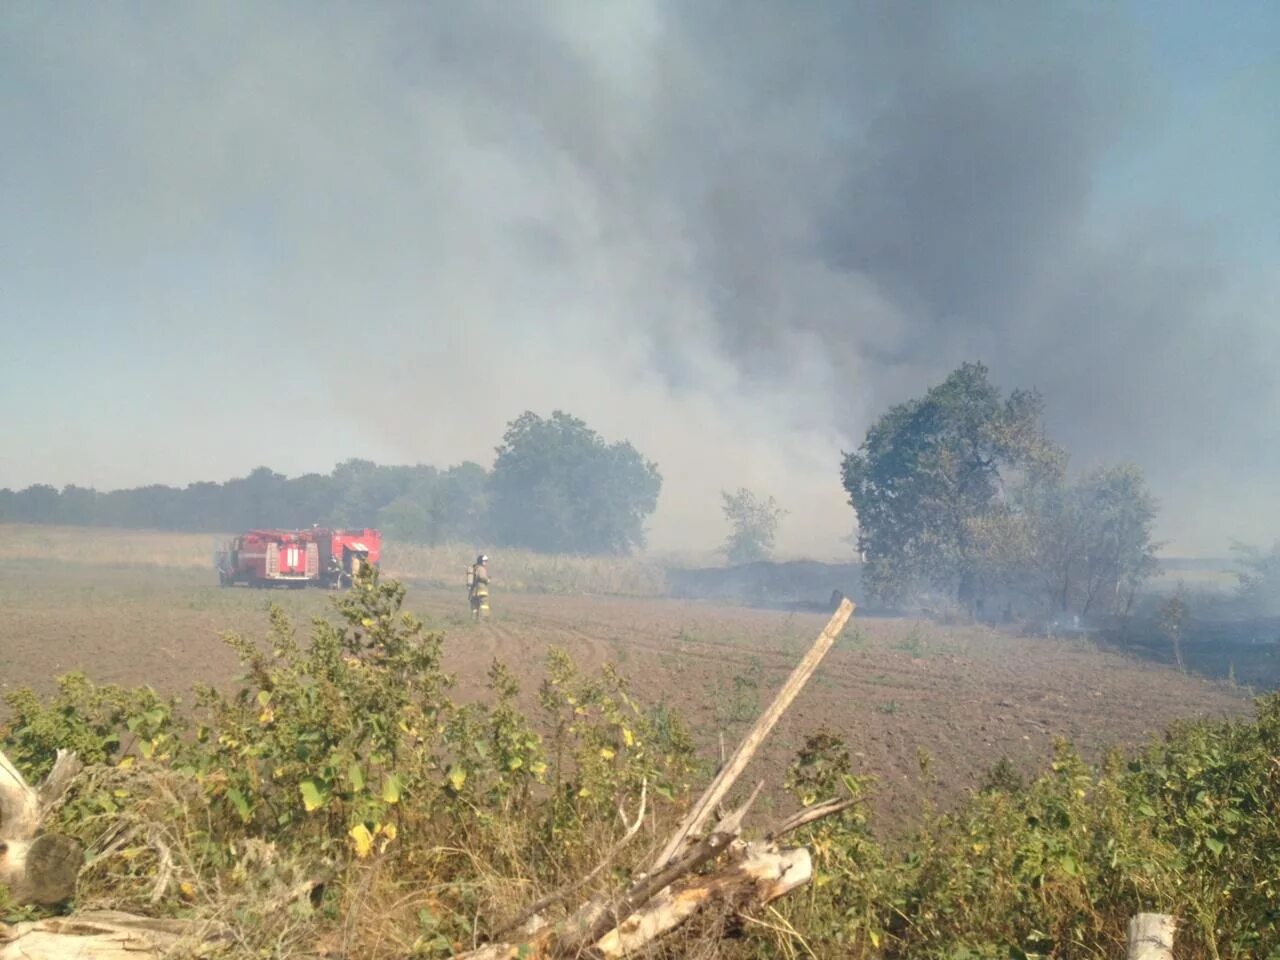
591 922
65 769
762 874
819 811
702 810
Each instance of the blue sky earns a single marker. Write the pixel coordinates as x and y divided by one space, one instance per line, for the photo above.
1213 141
290 234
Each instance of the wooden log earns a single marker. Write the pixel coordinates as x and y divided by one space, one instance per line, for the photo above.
756 875
1151 936
103 935
37 868
819 811
762 875
703 810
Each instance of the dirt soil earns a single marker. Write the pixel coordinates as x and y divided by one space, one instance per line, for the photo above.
966 695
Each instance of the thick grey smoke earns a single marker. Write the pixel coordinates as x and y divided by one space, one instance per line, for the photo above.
731 232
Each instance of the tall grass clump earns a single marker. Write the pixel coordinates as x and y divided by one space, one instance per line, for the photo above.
104 546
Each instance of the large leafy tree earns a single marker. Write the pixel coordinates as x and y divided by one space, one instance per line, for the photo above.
558 487
930 471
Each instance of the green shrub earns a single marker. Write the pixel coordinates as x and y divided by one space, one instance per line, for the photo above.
94 721
1055 867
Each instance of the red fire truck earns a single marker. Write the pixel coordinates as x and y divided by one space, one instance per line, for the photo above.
342 550
264 558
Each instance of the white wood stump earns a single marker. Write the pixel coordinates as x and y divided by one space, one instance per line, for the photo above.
1151 936
36 867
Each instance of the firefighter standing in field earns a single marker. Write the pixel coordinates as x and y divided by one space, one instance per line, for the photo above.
478 587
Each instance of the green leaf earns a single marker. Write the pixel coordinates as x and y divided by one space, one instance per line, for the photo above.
314 796
356 776
240 803
391 788
1215 845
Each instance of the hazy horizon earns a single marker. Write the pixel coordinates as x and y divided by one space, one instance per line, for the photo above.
733 234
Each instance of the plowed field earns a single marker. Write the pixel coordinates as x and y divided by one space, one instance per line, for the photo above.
968 695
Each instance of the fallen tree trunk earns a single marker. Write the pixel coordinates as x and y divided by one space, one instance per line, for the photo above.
757 874
1151 936
37 868
763 874
102 935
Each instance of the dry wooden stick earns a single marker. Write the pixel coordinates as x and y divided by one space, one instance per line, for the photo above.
66 766
105 935
724 781
819 811
749 881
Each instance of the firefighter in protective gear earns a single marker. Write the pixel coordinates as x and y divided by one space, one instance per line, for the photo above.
478 587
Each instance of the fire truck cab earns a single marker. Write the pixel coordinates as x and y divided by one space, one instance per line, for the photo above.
341 551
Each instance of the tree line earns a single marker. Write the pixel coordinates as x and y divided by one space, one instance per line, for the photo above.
958 493
555 485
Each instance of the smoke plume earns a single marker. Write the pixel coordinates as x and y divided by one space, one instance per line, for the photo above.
729 232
